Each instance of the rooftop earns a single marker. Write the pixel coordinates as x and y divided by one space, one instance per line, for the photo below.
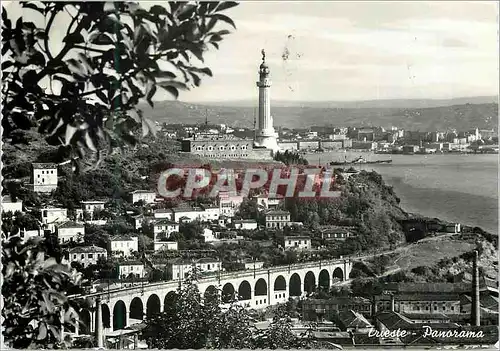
186 209
122 238
93 202
44 165
436 315
130 263
339 300
70 224
428 287
418 296
277 213
8 198
85 249
352 319
298 237
183 261
143 192
165 221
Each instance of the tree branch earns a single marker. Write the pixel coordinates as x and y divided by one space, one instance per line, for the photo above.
65 49
89 49
47 31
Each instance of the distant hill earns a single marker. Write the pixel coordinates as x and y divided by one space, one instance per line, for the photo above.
460 116
389 103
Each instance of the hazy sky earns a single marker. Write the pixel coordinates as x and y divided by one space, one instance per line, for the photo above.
357 51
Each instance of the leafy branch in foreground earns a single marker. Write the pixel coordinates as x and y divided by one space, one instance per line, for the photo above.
81 91
36 309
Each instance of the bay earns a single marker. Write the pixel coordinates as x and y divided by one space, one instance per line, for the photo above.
459 188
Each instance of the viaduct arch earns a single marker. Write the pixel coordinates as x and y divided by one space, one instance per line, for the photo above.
252 288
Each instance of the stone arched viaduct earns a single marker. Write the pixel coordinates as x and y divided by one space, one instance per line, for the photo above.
252 288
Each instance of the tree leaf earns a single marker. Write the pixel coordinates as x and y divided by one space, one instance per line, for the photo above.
224 18
42 331
215 37
158 10
5 19
6 65
74 38
186 11
226 5
164 74
172 90
31 5
109 7
99 38
135 116
150 95
145 128
89 141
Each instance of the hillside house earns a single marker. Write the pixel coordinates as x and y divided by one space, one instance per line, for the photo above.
180 268
145 195
245 224
8 205
130 269
265 202
92 205
297 242
123 245
87 255
166 246
277 219
187 214
44 177
163 213
52 216
164 228
229 203
70 231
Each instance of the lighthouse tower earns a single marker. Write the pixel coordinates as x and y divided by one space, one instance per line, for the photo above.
265 136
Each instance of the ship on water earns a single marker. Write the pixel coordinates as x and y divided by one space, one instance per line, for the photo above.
360 160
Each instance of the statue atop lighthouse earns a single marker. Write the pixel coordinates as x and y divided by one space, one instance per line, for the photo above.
265 135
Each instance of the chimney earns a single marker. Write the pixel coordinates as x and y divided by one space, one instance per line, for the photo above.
374 306
475 308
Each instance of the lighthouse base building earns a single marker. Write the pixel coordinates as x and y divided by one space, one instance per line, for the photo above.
265 143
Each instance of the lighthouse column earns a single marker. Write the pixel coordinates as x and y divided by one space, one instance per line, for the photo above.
265 135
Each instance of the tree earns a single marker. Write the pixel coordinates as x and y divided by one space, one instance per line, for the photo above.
248 209
35 284
112 56
182 325
279 334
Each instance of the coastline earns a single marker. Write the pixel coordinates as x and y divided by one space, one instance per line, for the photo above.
432 202
455 188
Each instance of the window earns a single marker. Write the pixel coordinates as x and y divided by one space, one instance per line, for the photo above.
83 256
435 308
74 256
91 256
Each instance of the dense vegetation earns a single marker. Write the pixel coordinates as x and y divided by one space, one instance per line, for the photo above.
108 61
